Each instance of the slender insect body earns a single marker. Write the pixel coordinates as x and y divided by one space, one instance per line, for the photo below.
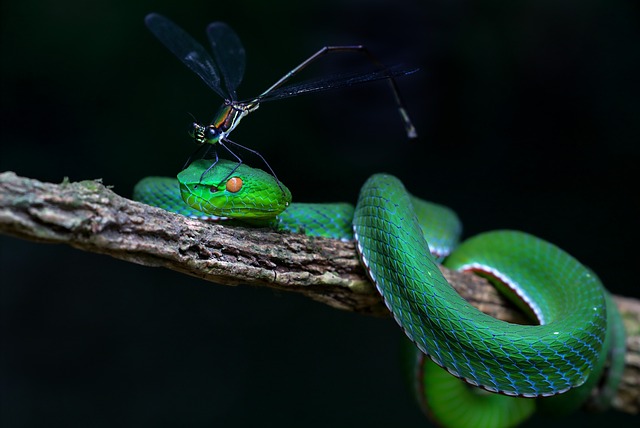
224 71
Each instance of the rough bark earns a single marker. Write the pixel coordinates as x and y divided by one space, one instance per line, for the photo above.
90 217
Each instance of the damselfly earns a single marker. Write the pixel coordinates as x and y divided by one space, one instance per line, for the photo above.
224 71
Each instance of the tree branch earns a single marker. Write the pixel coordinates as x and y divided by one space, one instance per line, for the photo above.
89 216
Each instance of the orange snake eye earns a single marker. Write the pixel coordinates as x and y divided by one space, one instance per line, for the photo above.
234 184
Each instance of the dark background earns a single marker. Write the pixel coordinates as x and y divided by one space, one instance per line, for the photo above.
528 115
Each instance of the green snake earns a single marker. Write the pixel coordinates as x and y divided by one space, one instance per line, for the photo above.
399 239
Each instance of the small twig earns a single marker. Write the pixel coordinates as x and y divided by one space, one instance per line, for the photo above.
89 216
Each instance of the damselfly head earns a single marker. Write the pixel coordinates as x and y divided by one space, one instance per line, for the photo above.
198 133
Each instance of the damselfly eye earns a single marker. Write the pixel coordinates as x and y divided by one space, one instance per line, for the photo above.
211 133
234 184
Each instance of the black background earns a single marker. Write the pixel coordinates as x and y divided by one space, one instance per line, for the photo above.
528 115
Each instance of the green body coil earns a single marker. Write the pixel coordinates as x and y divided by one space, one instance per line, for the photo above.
400 239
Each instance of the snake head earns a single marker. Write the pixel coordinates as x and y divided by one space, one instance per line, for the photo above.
233 191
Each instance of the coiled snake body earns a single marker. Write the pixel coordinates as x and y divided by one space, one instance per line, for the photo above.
563 357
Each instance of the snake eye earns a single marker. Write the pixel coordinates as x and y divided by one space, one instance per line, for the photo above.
234 184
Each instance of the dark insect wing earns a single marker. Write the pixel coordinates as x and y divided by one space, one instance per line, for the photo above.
190 52
224 71
229 54
333 82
